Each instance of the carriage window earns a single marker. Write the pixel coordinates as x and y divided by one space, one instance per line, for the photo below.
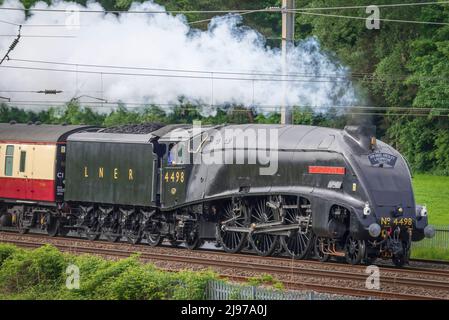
23 156
9 160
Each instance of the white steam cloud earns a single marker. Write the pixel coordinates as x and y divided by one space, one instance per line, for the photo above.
159 41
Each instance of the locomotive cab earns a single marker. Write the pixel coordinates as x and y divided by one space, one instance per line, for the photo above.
182 145
174 168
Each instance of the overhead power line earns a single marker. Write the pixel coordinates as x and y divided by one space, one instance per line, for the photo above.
133 11
35 25
101 105
242 13
10 23
363 76
211 77
46 91
376 19
392 5
208 72
35 36
237 11
259 106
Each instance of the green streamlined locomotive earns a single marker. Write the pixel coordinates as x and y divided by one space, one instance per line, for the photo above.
300 190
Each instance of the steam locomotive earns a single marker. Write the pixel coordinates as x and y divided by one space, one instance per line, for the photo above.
297 190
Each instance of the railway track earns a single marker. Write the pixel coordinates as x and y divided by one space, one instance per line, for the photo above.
431 261
418 283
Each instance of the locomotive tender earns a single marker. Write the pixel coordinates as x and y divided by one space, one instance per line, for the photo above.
324 192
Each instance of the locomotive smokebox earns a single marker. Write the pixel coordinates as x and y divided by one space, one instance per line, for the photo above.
364 135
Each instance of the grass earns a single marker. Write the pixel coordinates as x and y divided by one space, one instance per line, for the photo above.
433 191
430 253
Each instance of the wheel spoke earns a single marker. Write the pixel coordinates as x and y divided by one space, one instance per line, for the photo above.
153 239
355 250
299 243
264 244
232 241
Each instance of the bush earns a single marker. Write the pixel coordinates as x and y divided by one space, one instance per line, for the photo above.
6 250
266 279
25 269
40 274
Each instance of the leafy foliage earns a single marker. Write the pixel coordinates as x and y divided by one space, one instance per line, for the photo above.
182 113
266 279
411 69
40 274
25 269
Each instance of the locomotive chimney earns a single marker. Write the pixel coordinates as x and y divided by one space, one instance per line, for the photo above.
364 135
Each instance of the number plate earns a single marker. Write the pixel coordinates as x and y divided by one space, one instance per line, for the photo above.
389 222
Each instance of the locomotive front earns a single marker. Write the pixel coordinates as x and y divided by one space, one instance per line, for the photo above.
390 218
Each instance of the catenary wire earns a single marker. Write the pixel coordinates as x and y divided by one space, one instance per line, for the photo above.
375 19
223 11
333 107
209 72
168 75
274 109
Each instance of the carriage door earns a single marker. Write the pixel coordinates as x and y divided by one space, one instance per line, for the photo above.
23 172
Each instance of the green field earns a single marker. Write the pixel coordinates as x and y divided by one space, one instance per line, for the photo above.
433 191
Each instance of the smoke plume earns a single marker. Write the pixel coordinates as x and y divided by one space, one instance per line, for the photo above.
159 41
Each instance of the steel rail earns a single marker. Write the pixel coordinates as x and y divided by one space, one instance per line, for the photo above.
247 254
257 267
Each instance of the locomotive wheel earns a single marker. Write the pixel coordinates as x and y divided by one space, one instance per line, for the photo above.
134 237
132 229
231 241
111 228
193 243
63 231
92 233
53 226
399 261
298 244
263 243
154 240
20 227
319 244
355 250
5 220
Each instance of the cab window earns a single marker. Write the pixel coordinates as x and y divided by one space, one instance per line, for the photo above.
170 154
9 158
178 153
